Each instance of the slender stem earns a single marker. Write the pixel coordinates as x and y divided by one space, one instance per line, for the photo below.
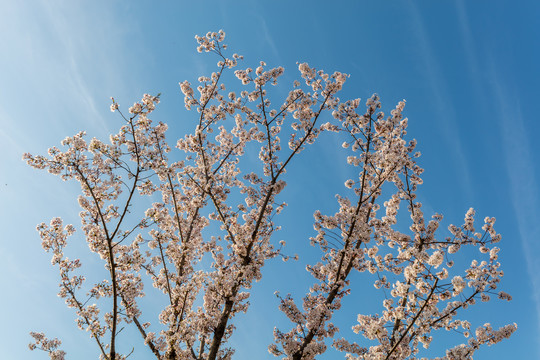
144 335
414 319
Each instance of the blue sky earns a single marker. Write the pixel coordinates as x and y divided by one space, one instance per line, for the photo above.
468 71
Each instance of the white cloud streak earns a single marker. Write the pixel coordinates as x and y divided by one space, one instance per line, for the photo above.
523 183
446 115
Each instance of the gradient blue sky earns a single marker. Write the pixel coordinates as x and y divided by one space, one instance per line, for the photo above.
468 70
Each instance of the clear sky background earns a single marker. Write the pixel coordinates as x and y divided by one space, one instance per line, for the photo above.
468 70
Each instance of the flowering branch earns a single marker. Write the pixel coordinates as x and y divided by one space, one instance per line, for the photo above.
206 280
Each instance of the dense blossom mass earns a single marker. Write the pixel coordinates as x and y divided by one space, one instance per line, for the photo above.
203 242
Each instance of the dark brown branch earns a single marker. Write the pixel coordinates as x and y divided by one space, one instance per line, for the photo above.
144 335
414 320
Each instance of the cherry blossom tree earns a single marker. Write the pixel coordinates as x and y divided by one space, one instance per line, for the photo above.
207 235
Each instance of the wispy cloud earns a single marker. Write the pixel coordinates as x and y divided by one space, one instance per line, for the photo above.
85 95
518 160
470 51
269 40
468 40
446 114
523 184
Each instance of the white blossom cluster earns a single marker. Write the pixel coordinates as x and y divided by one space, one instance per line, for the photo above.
50 346
414 266
203 188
